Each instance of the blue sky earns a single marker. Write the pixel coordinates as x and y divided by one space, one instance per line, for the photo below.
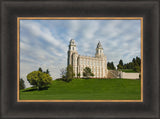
44 43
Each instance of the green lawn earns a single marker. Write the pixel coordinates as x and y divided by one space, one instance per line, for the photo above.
87 89
128 71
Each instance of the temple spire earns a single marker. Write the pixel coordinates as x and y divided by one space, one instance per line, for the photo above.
99 45
99 50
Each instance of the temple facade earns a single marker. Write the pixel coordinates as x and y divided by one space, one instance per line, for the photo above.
97 64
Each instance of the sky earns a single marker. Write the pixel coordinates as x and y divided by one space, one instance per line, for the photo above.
44 43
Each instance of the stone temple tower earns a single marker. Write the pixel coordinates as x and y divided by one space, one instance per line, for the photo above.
100 55
72 56
99 50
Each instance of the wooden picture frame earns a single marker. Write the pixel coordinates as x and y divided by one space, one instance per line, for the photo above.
10 108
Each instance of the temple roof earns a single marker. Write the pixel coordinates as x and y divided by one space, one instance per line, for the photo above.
72 42
99 45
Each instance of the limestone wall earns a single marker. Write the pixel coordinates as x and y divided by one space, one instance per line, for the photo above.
129 75
98 65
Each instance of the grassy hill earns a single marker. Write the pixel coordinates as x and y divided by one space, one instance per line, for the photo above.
87 89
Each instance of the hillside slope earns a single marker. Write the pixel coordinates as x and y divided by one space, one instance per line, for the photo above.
87 89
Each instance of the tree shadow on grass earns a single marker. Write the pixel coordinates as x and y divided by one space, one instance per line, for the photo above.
31 89
35 89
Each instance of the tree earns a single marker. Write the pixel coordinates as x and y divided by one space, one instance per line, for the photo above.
130 65
137 68
40 69
69 73
138 60
87 72
125 66
135 65
21 84
78 75
39 79
47 72
121 62
134 60
110 65
92 74
120 65
63 72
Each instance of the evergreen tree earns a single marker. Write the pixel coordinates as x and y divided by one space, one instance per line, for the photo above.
135 65
47 71
121 62
120 65
134 61
110 66
40 69
138 60
21 84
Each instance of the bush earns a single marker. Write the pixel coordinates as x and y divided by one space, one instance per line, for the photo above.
87 72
